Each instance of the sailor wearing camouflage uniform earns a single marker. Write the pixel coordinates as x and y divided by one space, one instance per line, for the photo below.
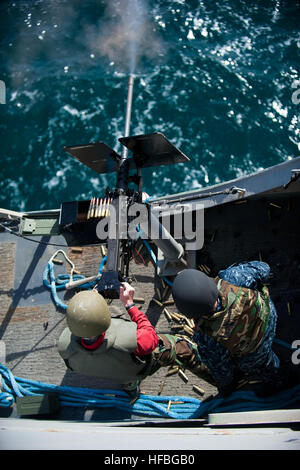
118 349
235 325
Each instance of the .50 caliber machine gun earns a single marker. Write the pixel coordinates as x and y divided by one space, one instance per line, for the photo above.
147 151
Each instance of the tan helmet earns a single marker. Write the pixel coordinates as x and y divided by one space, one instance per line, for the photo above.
88 314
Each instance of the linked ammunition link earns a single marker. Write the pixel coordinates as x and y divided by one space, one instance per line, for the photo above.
99 207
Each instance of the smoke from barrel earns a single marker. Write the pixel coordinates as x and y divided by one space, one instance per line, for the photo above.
126 36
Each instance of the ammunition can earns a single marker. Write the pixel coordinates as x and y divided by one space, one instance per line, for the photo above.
47 403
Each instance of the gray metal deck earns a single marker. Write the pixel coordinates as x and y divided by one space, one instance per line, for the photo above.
63 435
30 325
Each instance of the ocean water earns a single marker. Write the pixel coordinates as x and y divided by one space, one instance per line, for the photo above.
220 79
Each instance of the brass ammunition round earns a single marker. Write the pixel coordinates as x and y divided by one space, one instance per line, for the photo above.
139 299
172 371
183 376
76 249
167 314
157 302
188 330
169 302
198 389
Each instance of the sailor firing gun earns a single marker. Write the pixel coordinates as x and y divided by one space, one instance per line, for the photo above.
113 348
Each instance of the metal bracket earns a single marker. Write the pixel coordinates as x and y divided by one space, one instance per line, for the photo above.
166 267
29 225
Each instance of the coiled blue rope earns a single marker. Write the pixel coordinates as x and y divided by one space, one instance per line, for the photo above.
146 405
59 282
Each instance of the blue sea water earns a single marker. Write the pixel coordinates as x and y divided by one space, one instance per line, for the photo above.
220 79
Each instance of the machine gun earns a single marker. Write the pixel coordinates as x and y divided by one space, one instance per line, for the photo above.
148 150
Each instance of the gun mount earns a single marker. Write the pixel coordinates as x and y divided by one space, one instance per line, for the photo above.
147 150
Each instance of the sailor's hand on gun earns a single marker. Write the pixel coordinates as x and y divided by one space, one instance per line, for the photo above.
126 294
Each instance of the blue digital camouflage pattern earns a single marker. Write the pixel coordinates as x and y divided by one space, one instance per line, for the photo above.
252 274
263 362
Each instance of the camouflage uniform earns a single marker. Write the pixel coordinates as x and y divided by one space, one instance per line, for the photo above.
240 334
238 347
175 351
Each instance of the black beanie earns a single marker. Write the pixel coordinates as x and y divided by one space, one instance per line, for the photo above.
194 293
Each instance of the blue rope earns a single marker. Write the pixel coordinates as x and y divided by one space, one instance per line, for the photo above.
59 282
102 265
283 343
146 405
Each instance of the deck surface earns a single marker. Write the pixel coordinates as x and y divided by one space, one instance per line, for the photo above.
31 324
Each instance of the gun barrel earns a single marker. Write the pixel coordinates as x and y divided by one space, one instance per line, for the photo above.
109 284
128 114
171 249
